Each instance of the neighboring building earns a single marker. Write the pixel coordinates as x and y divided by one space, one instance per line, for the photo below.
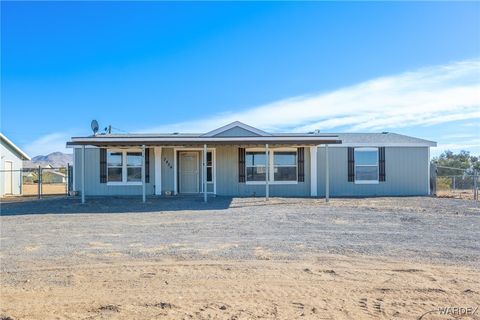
11 164
51 176
366 164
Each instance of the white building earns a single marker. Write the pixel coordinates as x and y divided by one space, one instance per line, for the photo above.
11 165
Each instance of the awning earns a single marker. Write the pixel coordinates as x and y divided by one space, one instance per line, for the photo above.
105 141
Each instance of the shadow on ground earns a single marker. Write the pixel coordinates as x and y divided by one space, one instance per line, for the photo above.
67 205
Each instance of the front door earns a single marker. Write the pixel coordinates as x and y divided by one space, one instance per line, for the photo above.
189 173
8 177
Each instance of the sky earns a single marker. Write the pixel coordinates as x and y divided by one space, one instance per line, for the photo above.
404 67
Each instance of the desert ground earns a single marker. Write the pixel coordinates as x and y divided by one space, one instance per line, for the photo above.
241 258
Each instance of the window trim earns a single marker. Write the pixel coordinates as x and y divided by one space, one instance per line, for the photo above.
271 165
367 149
124 181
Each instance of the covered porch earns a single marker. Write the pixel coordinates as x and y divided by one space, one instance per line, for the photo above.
209 164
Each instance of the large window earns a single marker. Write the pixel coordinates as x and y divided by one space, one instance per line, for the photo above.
255 164
124 166
366 165
282 166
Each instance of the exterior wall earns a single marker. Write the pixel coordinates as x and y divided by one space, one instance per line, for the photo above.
406 173
93 187
236 132
8 154
168 170
227 178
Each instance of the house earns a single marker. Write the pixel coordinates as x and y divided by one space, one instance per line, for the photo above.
53 176
240 160
11 166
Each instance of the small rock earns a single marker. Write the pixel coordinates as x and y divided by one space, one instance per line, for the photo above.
109 307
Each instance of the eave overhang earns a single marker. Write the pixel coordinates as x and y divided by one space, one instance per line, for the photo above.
175 141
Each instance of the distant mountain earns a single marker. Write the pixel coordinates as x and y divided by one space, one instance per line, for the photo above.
54 159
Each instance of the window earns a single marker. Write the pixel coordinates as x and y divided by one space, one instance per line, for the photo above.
366 165
115 166
209 167
285 166
255 164
124 166
282 166
134 166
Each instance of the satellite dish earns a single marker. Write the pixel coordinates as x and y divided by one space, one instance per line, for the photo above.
94 126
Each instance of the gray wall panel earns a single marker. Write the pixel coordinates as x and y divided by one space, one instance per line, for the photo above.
93 187
236 132
227 178
406 173
167 169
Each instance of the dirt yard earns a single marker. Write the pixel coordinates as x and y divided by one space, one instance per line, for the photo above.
379 258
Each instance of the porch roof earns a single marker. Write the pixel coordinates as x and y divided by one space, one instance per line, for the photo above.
178 140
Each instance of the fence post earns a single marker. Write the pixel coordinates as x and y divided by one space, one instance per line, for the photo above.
475 187
39 182
433 179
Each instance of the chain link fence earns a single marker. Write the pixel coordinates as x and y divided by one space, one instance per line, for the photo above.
38 182
463 185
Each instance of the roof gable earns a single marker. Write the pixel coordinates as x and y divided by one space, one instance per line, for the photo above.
237 129
19 151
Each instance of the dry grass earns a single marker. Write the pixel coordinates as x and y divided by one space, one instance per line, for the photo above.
456 194
54 188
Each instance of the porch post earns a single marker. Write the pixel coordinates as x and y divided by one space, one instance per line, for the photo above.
327 175
313 171
158 171
267 165
143 174
83 174
204 174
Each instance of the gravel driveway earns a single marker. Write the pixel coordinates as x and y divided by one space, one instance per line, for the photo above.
417 228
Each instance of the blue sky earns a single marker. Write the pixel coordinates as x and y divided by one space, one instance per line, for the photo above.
411 68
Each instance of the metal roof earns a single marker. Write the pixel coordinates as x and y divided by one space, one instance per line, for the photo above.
383 138
311 138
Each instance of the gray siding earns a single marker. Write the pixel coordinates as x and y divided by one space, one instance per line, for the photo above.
9 154
227 178
93 187
168 172
406 173
237 132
